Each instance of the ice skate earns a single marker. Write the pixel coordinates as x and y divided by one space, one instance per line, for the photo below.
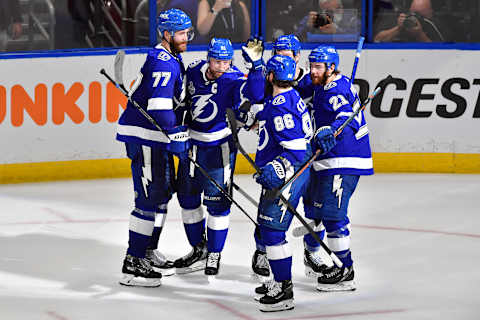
279 297
159 262
260 267
193 261
213 263
261 291
314 263
337 279
139 272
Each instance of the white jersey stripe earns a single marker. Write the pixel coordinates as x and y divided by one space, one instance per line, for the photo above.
146 134
343 162
295 144
160 104
210 136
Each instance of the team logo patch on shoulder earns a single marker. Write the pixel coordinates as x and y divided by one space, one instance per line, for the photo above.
163 56
329 86
194 63
278 100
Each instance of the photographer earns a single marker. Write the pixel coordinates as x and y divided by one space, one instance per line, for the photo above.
329 17
417 24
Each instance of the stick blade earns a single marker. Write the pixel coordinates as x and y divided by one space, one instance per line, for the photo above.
118 66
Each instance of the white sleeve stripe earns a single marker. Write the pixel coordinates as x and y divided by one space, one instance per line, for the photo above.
296 144
160 104
343 114
362 131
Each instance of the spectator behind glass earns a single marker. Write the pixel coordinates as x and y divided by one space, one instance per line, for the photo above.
282 16
330 19
223 19
9 16
418 24
190 7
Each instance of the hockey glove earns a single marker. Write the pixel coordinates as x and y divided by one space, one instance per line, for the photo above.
252 52
272 175
324 139
179 142
246 115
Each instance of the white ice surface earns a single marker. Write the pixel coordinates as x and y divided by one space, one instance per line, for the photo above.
415 243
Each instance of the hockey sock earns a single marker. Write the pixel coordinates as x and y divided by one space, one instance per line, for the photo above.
194 224
140 231
310 243
157 230
217 229
338 236
280 259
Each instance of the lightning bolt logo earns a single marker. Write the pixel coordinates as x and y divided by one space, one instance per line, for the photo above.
200 104
146 168
337 188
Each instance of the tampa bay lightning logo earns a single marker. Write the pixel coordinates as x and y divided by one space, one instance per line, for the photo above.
163 56
278 100
204 108
329 86
263 136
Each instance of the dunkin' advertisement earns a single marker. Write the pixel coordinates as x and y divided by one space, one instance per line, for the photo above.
62 108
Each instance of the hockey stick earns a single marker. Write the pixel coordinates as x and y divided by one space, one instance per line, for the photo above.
357 57
202 170
118 73
118 69
274 193
232 120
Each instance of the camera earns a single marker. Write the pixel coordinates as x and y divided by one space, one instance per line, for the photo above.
323 18
411 20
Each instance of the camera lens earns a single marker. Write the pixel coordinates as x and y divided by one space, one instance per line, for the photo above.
410 22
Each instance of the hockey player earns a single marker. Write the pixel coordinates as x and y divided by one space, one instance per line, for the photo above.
289 45
342 161
157 89
285 130
213 86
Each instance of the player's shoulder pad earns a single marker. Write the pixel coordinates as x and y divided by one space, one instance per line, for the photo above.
195 63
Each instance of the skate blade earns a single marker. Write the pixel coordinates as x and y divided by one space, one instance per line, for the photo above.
280 306
197 266
260 278
133 281
165 271
335 287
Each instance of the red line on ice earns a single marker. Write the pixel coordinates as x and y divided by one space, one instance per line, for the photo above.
231 310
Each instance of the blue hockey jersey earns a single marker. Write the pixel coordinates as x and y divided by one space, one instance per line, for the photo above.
208 100
284 128
158 89
332 105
